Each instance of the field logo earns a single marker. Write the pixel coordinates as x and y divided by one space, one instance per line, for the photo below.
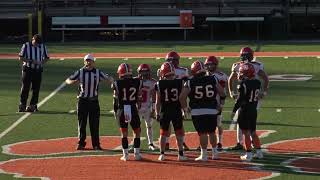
290 77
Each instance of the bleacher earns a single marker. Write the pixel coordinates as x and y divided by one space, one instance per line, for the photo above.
15 9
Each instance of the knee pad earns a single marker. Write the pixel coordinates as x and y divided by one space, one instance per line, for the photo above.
164 132
124 130
137 130
179 132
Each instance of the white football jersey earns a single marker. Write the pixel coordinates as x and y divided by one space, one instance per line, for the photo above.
180 72
146 90
222 79
256 64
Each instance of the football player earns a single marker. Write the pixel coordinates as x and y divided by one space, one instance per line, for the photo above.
211 65
202 91
168 108
126 92
247 102
246 56
180 73
146 109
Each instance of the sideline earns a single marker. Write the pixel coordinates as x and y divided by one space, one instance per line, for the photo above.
22 118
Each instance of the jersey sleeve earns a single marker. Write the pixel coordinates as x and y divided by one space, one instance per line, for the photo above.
103 76
22 52
75 76
45 52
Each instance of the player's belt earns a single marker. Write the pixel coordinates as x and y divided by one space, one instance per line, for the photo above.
203 111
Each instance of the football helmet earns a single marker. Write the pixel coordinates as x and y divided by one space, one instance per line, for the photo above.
246 70
144 71
173 57
246 54
197 67
211 63
167 69
211 60
124 69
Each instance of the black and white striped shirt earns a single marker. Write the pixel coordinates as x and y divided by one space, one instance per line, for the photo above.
88 81
37 53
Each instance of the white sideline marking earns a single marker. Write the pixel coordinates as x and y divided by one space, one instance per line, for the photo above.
318 57
125 59
190 58
72 111
61 59
286 57
222 57
22 118
157 58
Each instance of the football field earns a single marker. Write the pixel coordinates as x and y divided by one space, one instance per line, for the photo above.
42 144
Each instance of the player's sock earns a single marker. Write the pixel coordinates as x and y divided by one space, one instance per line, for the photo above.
256 142
136 143
247 141
124 141
239 135
204 152
150 135
220 136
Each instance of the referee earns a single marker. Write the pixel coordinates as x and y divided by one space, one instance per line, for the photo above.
88 78
33 55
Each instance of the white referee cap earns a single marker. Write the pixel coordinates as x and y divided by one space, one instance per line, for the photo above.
89 56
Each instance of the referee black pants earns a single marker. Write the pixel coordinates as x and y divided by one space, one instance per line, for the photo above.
88 108
30 78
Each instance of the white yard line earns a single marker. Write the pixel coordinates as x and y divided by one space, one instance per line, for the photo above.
22 118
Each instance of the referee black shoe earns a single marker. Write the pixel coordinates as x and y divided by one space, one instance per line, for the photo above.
97 148
22 108
32 108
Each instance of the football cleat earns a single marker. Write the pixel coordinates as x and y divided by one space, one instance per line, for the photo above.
259 154
219 147
201 158
137 156
246 157
182 158
215 153
151 147
125 157
161 157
